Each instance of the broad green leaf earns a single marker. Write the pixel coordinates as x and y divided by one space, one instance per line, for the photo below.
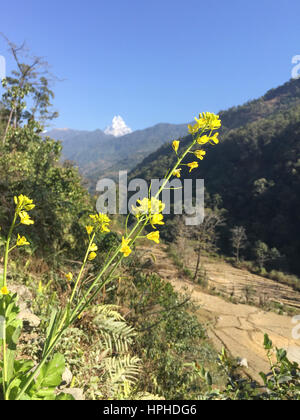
51 373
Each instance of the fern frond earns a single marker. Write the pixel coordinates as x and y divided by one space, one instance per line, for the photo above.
126 368
109 311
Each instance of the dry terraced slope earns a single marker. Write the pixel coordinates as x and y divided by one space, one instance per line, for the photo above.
238 327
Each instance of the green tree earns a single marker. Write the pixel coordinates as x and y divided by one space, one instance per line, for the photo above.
264 254
31 163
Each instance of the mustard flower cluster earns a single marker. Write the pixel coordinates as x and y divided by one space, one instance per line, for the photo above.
150 211
23 205
207 122
100 223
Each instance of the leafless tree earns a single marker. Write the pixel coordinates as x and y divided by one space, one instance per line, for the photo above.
31 75
207 235
238 240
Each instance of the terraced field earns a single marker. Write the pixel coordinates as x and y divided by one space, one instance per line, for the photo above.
238 327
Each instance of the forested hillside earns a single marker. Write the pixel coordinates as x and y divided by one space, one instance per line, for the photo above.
254 172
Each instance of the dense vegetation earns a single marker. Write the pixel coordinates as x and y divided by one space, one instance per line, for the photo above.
254 173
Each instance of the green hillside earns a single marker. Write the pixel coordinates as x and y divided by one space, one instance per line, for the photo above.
255 170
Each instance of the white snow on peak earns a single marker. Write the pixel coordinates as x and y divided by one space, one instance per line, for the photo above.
118 127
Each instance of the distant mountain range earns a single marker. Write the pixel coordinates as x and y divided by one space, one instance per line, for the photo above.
99 154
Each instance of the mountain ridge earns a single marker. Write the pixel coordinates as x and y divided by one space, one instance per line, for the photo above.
98 154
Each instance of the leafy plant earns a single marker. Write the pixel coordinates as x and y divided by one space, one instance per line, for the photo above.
281 383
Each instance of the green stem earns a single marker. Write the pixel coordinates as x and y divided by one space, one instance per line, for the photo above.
179 161
61 326
7 250
4 284
82 268
4 379
100 287
108 264
272 367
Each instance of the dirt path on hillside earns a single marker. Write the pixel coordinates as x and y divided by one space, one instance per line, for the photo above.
238 327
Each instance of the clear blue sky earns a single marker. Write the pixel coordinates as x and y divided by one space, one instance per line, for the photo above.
157 60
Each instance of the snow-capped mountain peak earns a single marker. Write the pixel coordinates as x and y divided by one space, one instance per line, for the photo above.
118 127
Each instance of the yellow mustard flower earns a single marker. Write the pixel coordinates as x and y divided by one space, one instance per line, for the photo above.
105 228
21 241
22 202
93 248
175 145
101 221
203 139
100 218
208 120
207 139
214 121
69 276
89 229
125 249
25 218
193 165
177 173
142 208
92 256
148 206
154 236
200 123
156 206
200 154
215 138
4 291
193 129
157 219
